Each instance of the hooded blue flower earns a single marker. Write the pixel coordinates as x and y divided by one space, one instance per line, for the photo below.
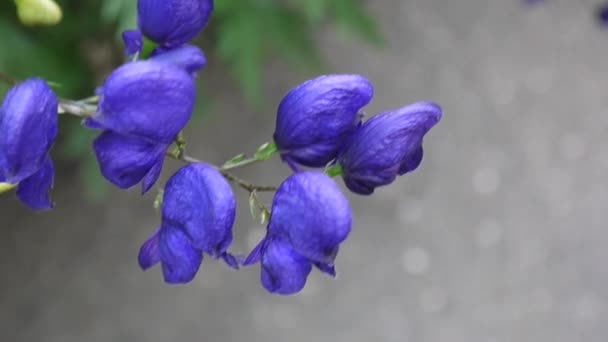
310 218
314 118
198 212
143 106
188 57
172 23
28 128
387 145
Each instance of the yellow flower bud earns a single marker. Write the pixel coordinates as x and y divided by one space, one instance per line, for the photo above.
4 187
38 12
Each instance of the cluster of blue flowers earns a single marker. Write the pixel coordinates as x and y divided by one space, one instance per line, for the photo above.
145 104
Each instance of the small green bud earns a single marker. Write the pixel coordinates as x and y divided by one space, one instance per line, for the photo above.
253 208
158 200
335 170
38 12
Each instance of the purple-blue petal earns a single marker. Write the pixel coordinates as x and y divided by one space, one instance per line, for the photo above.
125 160
34 190
172 23
314 118
149 253
256 254
387 145
152 176
411 161
283 270
188 57
326 268
134 41
199 201
28 128
311 211
151 100
179 259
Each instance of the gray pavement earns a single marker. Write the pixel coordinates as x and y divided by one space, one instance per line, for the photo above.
500 236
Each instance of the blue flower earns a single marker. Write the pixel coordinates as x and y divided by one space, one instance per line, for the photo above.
310 218
188 57
198 213
387 145
172 23
28 128
314 118
143 107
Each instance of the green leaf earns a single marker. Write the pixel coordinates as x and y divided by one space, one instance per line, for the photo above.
240 44
352 16
234 160
266 151
315 10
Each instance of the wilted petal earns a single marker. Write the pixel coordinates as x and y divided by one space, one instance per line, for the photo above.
151 100
283 270
180 260
149 253
311 211
387 145
28 128
188 57
314 118
134 41
199 200
126 160
172 23
34 190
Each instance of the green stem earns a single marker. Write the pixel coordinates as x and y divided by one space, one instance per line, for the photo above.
229 176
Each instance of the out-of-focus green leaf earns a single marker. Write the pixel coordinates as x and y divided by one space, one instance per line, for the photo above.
240 44
315 9
123 13
351 15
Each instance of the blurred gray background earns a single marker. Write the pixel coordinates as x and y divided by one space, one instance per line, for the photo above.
499 236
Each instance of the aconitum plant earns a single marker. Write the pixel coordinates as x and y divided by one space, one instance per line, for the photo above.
140 111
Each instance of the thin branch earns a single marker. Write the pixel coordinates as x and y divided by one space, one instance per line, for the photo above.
229 176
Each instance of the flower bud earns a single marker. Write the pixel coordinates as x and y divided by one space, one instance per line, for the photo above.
387 145
172 23
314 118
